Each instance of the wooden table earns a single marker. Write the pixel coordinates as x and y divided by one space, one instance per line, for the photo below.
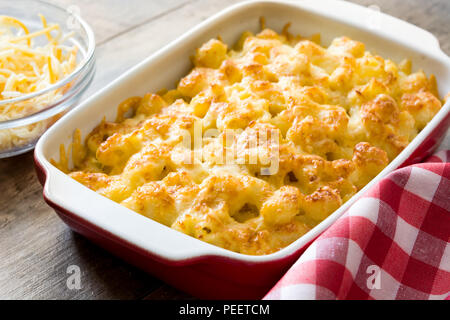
35 246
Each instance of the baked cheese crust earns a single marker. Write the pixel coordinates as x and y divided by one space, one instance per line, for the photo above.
342 114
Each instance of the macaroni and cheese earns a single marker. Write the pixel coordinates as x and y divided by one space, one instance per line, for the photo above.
339 114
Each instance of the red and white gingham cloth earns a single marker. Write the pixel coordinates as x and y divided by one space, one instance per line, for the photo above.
393 243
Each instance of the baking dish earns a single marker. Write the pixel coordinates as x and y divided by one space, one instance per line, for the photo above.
189 264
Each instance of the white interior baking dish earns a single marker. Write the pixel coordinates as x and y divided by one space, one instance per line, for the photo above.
190 264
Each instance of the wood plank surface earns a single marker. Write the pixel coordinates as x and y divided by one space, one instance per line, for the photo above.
36 248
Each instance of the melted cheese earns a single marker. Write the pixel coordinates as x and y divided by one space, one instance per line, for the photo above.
342 113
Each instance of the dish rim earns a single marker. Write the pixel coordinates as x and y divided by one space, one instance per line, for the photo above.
205 250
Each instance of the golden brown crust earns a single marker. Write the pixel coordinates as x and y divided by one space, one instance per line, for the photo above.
340 113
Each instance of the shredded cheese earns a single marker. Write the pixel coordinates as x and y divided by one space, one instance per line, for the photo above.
28 65
339 113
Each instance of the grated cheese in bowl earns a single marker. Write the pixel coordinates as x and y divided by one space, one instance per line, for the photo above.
40 69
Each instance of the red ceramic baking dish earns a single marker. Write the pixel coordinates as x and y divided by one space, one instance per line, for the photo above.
201 269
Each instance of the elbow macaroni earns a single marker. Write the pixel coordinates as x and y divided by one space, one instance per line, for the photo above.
26 67
342 114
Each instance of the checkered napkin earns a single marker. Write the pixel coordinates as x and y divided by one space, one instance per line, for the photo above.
393 243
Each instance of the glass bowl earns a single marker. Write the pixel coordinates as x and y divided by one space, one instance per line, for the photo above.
19 135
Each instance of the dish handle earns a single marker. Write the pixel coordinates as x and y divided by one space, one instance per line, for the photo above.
95 213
